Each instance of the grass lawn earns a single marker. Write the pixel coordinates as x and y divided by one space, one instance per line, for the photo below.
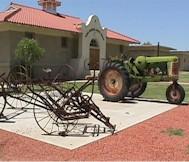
158 91
184 77
155 90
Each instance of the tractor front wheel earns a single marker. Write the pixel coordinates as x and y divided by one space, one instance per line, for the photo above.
175 93
113 82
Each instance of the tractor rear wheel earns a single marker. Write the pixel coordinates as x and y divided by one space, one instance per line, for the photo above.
113 82
137 89
175 93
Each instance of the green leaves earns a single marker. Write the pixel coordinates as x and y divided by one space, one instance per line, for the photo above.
28 51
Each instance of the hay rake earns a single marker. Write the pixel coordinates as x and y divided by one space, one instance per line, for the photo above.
57 105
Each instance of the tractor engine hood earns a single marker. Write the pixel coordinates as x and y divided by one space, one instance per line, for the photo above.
142 61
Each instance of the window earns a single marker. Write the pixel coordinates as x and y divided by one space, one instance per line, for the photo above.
121 49
75 48
64 42
93 43
29 35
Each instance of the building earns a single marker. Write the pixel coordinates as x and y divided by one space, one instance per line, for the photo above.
154 50
66 39
184 59
148 50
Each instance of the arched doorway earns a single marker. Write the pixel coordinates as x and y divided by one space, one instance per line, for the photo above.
94 58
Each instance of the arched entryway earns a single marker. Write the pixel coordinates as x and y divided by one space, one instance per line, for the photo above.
94 57
92 47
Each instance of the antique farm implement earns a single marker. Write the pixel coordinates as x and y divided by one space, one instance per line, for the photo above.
121 78
57 105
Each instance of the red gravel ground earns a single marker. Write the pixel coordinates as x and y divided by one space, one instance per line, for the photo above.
145 141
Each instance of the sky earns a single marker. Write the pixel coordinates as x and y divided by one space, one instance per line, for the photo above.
164 21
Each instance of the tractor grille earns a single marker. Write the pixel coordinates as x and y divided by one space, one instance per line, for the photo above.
175 68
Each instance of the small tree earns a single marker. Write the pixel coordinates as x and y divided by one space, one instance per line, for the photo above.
28 52
147 43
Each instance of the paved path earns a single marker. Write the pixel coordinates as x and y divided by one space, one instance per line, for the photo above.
124 115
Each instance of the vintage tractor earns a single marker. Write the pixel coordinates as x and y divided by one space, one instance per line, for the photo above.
128 78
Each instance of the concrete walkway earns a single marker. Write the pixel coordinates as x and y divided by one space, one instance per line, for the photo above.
124 115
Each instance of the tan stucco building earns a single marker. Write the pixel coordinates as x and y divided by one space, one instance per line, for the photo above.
154 50
148 50
184 59
66 39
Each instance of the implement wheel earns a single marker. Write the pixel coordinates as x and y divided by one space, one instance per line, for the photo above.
175 93
47 111
113 82
17 82
3 101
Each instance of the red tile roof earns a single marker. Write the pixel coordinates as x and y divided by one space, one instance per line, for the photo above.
115 35
3 15
21 14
